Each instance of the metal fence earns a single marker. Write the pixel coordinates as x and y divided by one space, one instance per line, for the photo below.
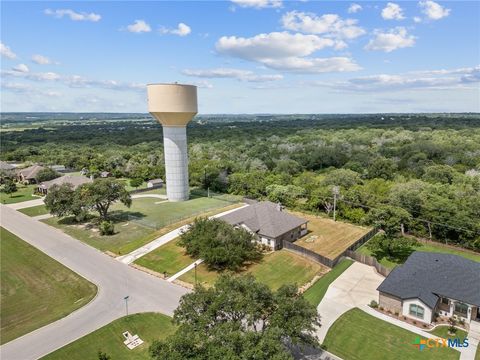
368 260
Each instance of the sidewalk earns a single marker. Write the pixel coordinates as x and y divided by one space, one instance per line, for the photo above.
183 271
26 204
144 250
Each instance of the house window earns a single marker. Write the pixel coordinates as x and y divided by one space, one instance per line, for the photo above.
444 301
417 311
461 309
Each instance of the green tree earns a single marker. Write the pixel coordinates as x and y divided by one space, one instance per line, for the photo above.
64 201
219 244
342 177
101 193
136 182
285 194
9 187
443 174
389 218
239 318
382 168
103 356
46 175
396 248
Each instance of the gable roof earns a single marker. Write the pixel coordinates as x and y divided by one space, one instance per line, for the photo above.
264 218
155 181
74 180
30 172
427 276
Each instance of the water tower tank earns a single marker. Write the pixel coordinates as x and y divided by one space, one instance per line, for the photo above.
174 105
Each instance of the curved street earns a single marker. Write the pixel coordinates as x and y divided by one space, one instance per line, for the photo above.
114 280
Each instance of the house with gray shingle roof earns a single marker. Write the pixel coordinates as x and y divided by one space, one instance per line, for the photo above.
429 283
269 222
74 180
29 174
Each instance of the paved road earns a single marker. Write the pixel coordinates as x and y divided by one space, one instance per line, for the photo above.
113 278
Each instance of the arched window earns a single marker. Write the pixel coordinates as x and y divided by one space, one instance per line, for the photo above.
417 311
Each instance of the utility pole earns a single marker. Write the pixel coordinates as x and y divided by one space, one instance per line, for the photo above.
195 273
336 191
126 303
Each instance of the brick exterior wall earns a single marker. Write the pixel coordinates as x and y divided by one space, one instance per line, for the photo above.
390 302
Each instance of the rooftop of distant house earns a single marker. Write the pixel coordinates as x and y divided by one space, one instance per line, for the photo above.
264 218
74 180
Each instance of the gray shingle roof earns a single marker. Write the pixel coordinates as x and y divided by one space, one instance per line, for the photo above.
6 166
264 218
30 172
427 276
74 180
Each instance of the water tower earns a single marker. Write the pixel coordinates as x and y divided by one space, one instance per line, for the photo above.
174 105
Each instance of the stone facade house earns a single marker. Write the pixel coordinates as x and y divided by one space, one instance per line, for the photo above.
269 222
29 175
432 283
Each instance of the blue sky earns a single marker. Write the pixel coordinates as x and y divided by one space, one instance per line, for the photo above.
246 56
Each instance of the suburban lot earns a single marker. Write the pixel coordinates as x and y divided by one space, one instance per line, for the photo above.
23 193
327 237
34 210
275 269
357 335
151 218
109 339
430 247
35 289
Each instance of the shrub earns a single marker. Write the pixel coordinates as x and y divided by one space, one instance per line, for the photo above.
373 304
424 325
404 317
414 322
396 313
106 228
323 347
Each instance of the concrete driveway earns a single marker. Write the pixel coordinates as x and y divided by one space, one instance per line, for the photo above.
356 287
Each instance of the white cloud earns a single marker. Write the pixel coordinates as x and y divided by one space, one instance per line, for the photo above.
42 60
393 39
242 75
392 12
354 8
181 30
139 26
258 4
313 65
329 24
433 11
204 84
285 51
7 52
73 15
21 68
417 19
430 79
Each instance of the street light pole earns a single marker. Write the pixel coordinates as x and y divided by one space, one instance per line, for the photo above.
126 303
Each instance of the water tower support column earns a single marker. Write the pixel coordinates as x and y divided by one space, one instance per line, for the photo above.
176 162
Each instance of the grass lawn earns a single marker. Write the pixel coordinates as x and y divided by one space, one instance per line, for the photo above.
130 188
317 291
477 355
35 210
275 269
357 335
442 331
129 235
23 193
109 339
157 213
327 237
169 258
35 289
430 247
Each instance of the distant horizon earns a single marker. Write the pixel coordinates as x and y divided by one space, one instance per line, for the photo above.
245 57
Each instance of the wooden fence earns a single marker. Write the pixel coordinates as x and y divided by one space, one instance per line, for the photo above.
368 260
324 260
